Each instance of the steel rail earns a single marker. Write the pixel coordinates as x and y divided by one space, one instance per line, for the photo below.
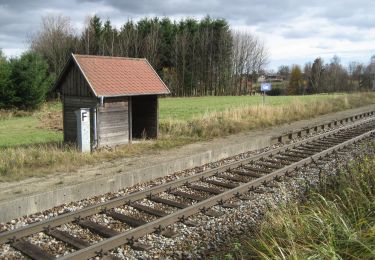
12 235
104 246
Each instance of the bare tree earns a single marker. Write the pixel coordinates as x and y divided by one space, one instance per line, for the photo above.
151 44
336 76
284 71
372 71
55 41
315 83
249 55
358 73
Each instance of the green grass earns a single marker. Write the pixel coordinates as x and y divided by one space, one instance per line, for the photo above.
24 128
25 131
336 222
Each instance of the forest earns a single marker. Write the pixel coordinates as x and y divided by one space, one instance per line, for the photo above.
194 57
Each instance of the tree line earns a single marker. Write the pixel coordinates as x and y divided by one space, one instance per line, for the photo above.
320 77
194 57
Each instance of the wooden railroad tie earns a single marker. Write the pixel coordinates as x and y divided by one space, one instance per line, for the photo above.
31 250
98 228
168 202
131 221
149 210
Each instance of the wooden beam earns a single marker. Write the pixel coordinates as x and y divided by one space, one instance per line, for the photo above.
157 117
130 118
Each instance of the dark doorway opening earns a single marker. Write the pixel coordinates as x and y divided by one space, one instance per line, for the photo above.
144 116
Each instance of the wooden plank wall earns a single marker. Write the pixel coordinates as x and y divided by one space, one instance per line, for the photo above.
74 84
113 123
71 104
145 116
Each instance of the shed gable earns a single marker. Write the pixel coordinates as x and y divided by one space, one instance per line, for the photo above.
73 83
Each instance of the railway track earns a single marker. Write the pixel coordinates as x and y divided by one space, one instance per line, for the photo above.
182 197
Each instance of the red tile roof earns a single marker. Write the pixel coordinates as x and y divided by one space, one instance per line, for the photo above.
118 76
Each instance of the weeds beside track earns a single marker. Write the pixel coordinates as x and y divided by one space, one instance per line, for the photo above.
336 222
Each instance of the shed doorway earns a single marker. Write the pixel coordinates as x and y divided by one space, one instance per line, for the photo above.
144 110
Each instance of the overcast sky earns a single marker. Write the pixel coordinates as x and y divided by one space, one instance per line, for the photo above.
294 32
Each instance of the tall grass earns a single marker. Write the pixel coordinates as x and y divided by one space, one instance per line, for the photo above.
337 222
247 117
19 162
188 107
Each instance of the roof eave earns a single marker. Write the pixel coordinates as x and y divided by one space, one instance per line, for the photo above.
135 94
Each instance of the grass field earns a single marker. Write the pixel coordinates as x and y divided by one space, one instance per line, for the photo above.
26 128
188 108
25 131
31 143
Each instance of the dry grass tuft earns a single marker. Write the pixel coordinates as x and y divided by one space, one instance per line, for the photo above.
8 114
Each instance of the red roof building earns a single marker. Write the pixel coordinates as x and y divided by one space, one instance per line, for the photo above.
121 93
117 76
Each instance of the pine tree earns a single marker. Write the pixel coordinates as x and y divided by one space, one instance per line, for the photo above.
6 91
30 81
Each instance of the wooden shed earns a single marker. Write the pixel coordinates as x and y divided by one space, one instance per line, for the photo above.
122 94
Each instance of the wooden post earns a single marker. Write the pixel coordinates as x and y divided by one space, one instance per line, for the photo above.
264 98
130 118
157 116
63 116
98 110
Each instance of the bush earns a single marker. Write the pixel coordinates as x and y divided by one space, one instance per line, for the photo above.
275 92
